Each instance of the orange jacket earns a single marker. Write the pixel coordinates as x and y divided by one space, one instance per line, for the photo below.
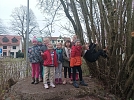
76 56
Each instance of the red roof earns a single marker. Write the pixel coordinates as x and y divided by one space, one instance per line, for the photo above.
10 37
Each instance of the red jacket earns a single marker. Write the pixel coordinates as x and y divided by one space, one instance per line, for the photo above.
76 51
48 59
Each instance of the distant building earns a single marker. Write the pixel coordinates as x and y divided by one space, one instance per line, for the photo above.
10 44
55 40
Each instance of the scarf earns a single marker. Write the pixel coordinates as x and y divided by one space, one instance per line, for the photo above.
68 52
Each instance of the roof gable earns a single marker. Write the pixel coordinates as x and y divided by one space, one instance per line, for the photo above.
14 40
5 39
10 40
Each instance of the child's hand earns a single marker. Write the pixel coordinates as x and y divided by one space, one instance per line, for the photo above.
42 53
30 50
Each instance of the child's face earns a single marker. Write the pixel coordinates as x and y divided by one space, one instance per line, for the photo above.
39 43
46 41
50 47
78 43
34 43
68 44
58 46
86 47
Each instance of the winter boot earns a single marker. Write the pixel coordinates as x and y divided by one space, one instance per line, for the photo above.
83 83
33 80
75 84
77 76
60 81
56 81
36 81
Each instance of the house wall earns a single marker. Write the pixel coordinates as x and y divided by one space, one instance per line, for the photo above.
57 41
20 46
10 49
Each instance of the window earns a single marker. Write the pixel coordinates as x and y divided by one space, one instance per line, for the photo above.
4 47
58 40
5 39
4 53
11 53
14 40
14 47
61 41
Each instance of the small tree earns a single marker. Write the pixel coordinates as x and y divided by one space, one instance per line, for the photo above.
18 22
19 54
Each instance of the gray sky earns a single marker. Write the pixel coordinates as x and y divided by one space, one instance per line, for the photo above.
7 6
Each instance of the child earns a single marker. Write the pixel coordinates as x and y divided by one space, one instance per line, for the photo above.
75 37
50 62
41 63
91 54
46 42
75 63
58 70
44 48
66 61
34 57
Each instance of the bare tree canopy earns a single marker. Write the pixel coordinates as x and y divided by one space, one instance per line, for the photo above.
54 17
18 22
3 29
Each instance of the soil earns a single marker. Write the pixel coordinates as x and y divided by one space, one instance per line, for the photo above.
24 90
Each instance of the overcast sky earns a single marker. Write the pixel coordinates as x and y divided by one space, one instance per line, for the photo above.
7 6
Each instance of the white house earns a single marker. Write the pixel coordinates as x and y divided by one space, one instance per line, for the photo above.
10 44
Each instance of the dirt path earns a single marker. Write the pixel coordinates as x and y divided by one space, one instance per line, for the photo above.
23 90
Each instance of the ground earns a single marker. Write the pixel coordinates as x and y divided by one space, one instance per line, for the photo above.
24 90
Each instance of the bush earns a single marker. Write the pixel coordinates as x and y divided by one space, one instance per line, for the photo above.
19 54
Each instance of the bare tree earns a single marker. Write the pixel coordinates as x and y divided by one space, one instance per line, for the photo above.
111 23
18 23
3 29
51 10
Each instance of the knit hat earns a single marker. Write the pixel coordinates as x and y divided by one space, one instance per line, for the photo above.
39 39
76 40
34 39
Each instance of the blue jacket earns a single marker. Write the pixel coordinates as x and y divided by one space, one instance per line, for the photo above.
59 54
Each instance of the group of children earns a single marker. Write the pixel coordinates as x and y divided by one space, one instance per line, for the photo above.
48 62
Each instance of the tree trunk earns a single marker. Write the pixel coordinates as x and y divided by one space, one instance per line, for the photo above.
77 21
85 14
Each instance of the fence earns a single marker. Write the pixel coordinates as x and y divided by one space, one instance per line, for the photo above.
12 70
